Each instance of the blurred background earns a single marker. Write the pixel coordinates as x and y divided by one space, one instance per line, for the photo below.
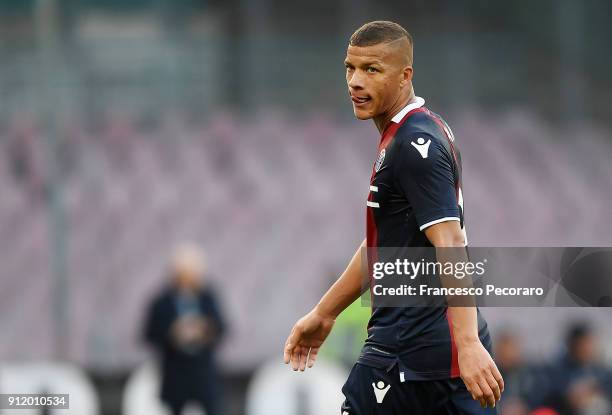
131 128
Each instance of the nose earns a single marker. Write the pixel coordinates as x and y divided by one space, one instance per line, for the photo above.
355 81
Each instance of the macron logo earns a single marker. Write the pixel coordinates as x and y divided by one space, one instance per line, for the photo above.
421 146
380 390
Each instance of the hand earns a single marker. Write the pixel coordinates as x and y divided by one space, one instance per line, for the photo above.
306 338
190 330
480 374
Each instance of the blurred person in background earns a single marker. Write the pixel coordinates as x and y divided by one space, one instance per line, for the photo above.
585 397
580 382
524 382
184 325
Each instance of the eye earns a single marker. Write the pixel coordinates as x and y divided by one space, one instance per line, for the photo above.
371 69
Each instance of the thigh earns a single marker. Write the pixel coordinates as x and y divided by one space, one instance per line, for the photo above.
461 402
369 391
372 391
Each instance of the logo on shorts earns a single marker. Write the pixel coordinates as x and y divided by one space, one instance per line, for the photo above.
422 146
380 390
379 162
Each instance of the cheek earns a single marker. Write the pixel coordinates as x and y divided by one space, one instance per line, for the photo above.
388 91
381 92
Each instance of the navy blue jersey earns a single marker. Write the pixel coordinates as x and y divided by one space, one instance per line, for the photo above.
416 183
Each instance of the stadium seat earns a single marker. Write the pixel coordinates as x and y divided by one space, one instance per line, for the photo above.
141 394
276 389
49 377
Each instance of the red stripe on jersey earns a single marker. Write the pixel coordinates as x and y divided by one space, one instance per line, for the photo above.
392 128
371 253
454 372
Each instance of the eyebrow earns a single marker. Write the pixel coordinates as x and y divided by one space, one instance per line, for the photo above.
367 63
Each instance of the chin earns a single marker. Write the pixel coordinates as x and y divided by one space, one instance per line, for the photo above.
362 115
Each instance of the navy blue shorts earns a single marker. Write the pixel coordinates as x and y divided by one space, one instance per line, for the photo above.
372 391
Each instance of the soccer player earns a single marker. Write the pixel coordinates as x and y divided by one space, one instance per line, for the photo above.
416 360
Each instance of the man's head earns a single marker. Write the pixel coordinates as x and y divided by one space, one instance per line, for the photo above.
581 343
188 267
508 350
379 69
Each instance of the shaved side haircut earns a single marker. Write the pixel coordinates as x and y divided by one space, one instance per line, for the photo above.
381 31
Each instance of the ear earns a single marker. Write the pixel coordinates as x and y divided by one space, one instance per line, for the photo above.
406 76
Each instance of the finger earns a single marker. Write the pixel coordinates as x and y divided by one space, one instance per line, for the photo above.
303 358
312 357
477 394
498 377
494 386
288 350
290 343
487 393
295 358
291 346
474 389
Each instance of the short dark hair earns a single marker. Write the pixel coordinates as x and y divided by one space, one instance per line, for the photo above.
379 31
577 331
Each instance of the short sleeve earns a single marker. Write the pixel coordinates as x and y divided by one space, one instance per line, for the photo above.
425 176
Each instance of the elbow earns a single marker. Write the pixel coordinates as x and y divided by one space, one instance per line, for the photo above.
454 240
446 235
458 240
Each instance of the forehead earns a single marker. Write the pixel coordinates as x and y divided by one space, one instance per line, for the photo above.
381 53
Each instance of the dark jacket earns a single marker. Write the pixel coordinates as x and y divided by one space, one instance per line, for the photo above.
190 374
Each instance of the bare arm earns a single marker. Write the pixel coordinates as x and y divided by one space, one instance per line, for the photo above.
345 290
309 333
478 371
449 235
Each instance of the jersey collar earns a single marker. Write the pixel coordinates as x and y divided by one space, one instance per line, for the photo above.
417 103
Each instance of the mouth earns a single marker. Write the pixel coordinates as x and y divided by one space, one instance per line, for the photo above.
359 101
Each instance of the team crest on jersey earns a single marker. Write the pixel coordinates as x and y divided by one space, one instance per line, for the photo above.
379 162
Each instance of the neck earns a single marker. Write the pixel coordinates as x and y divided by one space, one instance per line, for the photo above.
383 120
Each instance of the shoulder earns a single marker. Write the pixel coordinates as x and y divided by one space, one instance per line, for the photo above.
425 132
424 123
161 302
